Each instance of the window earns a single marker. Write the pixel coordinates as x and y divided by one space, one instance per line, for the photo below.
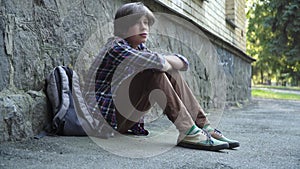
231 8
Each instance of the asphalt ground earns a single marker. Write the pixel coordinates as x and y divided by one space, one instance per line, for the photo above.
268 131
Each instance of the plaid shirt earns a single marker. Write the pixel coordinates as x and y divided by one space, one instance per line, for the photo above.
119 62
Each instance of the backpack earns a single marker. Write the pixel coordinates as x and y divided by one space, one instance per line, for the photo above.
68 110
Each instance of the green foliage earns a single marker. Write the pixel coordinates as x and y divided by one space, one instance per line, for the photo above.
273 38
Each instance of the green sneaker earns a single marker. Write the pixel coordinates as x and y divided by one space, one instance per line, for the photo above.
202 141
219 136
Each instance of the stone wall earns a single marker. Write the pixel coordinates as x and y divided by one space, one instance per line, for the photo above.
38 35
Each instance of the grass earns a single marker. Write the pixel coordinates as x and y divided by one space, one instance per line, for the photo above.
256 92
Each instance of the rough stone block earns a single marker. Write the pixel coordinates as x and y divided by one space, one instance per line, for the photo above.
16 117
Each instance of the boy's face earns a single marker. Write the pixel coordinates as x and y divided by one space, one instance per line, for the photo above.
138 33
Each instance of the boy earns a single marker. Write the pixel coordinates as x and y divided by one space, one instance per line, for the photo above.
128 74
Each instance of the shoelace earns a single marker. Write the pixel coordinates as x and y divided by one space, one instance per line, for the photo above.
218 132
207 134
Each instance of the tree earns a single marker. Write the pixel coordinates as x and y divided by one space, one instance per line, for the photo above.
273 38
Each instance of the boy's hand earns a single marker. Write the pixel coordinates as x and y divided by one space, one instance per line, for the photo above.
175 62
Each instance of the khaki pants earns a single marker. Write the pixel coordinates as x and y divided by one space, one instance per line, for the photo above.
178 101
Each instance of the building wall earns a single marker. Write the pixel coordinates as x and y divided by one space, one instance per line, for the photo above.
214 16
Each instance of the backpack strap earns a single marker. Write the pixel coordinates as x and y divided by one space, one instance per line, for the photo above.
80 104
65 101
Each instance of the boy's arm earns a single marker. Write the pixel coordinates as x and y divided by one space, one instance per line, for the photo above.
177 62
140 59
145 58
167 66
